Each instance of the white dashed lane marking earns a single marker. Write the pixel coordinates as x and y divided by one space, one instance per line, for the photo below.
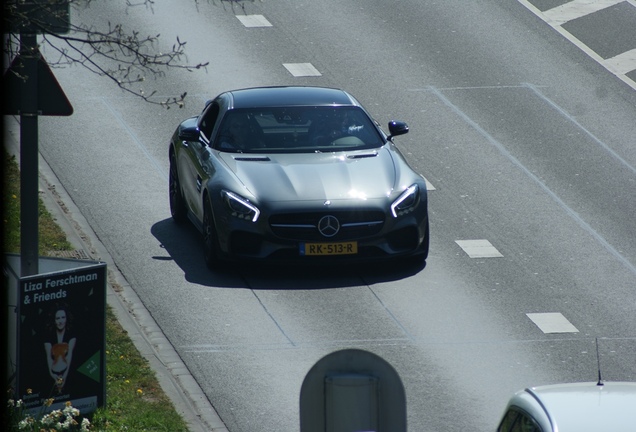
552 322
254 20
296 69
576 9
302 69
623 65
479 248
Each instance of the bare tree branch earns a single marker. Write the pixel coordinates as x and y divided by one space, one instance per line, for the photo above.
122 55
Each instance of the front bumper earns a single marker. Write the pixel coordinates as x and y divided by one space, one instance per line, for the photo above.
279 232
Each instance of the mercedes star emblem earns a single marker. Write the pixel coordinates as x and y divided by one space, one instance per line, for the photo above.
328 226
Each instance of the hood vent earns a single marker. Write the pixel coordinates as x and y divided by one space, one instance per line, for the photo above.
252 158
362 155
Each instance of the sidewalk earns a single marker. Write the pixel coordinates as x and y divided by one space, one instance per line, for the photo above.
173 375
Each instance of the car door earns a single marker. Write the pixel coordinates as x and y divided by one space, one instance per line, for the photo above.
194 160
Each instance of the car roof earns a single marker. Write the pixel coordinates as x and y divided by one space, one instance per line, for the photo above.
289 96
577 407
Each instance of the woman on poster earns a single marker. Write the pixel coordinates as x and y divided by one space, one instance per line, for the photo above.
59 345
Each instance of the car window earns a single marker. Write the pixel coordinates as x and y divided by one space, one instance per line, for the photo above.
518 421
297 130
208 118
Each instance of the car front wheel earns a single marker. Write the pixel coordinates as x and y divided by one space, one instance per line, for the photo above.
210 240
419 259
177 203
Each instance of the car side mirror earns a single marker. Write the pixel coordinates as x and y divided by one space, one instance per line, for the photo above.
190 133
397 128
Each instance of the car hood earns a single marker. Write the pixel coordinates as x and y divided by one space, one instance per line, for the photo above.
363 174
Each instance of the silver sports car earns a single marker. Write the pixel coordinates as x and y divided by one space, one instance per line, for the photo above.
296 173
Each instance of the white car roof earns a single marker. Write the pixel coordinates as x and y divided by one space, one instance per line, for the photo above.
581 407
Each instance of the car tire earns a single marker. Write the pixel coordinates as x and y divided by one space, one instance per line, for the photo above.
426 243
177 203
210 239
419 259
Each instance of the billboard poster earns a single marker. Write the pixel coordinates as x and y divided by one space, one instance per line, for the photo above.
61 339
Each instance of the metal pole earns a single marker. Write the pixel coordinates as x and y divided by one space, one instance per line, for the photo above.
29 170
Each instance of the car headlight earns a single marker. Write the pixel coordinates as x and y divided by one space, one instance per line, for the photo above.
240 207
406 202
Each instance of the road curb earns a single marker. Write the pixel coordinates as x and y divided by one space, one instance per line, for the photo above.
173 375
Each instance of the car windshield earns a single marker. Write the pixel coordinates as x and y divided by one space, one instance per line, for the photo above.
297 130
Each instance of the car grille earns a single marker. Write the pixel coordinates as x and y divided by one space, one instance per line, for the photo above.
304 226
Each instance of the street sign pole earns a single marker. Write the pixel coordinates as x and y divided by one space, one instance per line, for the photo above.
29 169
30 90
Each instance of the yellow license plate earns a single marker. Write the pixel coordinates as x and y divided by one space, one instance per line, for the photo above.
341 248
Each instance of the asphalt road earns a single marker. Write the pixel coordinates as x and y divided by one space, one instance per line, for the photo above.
523 122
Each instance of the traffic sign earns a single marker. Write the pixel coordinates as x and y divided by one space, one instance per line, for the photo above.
51 98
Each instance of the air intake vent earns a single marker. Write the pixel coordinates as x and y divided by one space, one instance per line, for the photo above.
252 158
362 155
